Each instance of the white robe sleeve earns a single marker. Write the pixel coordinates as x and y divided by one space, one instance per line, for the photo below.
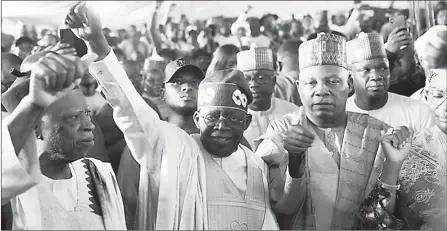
19 172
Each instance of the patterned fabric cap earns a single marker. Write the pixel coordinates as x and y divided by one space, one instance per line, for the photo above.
367 46
226 88
326 49
257 58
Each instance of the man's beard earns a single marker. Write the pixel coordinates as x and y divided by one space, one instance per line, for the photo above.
184 111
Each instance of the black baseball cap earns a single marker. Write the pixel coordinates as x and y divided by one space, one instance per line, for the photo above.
180 65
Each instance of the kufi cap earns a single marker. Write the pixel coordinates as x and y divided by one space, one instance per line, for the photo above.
181 65
226 88
366 46
257 58
155 62
326 49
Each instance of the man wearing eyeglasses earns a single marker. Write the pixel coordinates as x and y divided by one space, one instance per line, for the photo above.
369 67
257 66
203 181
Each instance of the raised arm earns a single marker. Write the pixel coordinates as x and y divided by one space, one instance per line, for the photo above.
145 134
20 160
154 33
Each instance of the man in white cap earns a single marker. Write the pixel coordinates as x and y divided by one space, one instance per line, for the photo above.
369 66
257 66
203 181
331 159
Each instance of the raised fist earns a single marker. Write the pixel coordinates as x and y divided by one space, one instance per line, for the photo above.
53 75
84 21
297 140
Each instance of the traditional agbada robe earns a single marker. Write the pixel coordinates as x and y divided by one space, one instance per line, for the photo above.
178 187
423 175
398 110
41 203
422 196
341 169
257 59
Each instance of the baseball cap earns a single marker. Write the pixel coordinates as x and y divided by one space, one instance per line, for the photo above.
180 65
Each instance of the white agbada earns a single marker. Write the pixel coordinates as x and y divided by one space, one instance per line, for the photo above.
32 205
174 165
399 111
261 119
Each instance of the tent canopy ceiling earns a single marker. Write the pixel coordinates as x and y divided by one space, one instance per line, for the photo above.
121 14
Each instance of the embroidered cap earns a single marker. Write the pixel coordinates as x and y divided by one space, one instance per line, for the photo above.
367 46
257 58
326 49
225 88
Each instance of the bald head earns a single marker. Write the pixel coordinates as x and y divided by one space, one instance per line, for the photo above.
288 56
9 61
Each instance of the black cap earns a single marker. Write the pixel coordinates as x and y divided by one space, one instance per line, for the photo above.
180 65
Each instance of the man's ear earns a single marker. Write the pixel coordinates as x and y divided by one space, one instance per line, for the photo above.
279 66
196 118
162 95
248 119
350 84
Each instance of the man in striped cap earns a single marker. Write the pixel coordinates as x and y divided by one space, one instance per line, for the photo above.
331 159
257 66
369 66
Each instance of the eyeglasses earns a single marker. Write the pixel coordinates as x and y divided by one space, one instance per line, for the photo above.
435 96
231 120
258 78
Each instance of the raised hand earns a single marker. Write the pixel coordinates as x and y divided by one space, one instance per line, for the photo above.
398 37
84 21
62 49
53 75
396 144
297 140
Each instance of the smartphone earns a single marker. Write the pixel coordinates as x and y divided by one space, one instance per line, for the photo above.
399 22
68 37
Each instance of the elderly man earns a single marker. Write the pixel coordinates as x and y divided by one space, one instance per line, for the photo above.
257 66
334 158
217 184
51 185
368 62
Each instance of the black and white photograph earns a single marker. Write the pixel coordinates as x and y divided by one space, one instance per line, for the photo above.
224 115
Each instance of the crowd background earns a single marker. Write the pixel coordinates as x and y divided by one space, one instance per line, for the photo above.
212 44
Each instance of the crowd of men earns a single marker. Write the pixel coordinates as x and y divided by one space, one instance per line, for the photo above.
253 125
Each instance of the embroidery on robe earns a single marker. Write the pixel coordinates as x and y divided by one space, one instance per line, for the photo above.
236 226
94 198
